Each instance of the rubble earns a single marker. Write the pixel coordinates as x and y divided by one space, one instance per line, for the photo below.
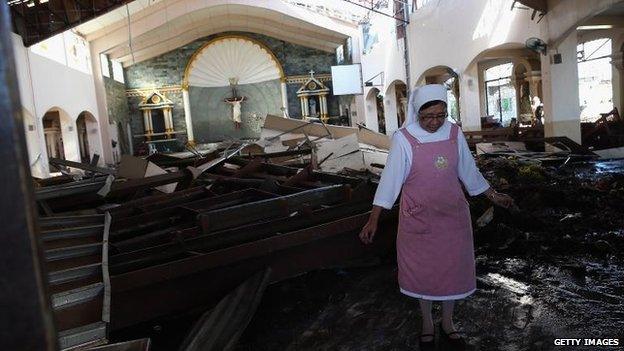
178 224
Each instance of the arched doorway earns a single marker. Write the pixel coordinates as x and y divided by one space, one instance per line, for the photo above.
375 111
87 129
381 115
494 80
53 134
448 77
500 93
523 94
395 108
595 74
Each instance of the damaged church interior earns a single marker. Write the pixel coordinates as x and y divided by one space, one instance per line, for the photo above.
312 175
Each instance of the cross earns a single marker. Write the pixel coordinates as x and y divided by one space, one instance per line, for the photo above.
312 73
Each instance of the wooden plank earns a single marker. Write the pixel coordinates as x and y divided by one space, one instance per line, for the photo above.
272 208
83 166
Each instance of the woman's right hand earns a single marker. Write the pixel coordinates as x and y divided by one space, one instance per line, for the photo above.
368 232
370 228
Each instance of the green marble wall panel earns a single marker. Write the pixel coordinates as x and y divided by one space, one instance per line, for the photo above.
212 117
168 69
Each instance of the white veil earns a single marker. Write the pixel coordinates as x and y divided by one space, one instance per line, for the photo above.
420 96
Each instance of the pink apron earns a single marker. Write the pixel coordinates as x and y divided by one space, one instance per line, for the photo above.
435 250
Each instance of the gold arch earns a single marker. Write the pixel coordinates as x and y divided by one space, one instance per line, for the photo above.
263 46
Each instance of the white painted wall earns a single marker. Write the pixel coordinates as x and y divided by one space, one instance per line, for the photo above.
454 33
561 93
387 56
49 85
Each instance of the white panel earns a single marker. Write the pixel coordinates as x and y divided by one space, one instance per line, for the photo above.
347 79
232 58
118 71
104 65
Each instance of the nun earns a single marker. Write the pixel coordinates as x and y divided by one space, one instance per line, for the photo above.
428 162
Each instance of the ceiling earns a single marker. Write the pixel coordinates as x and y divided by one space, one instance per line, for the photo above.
37 20
154 27
157 27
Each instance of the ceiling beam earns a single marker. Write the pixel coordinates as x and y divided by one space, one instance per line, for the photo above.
539 5
56 16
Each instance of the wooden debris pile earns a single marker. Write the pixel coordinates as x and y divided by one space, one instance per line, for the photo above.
182 233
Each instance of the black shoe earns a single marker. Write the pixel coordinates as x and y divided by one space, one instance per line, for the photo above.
426 345
456 343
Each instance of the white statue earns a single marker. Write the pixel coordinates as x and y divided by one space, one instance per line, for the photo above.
236 110
313 108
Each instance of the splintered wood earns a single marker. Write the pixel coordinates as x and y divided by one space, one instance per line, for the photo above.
334 148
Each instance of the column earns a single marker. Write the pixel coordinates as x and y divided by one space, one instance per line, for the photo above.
390 110
371 119
130 139
562 113
284 98
167 120
306 107
323 103
302 107
403 102
146 122
469 101
187 116
534 79
617 61
171 125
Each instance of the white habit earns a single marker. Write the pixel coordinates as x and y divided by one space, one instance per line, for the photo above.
399 159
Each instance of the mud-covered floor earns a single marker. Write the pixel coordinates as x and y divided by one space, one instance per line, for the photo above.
554 268
520 304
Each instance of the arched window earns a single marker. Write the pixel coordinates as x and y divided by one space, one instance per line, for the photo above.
500 93
594 72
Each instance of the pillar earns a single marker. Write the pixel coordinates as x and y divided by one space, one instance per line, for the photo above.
390 110
306 107
187 116
147 122
403 102
469 100
168 121
371 111
562 113
130 140
617 80
284 99
302 107
534 78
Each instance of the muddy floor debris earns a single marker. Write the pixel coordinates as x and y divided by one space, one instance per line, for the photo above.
552 268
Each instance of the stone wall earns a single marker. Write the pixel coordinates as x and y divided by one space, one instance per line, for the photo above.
168 69
117 108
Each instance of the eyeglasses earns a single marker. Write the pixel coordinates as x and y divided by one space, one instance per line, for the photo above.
431 117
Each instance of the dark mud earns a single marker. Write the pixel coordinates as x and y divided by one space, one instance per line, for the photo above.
553 268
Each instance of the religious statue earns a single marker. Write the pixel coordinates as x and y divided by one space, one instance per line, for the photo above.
235 101
236 110
313 108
